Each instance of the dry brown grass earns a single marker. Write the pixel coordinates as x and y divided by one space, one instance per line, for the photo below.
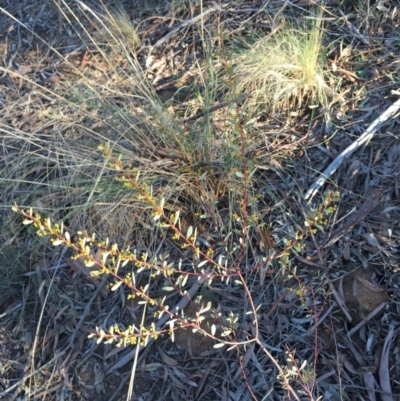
287 69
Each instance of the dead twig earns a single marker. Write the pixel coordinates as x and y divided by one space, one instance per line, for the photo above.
364 138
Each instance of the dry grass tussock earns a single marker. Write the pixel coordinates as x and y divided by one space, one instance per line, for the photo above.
287 69
157 167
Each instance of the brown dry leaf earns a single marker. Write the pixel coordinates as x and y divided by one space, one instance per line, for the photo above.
266 241
52 79
267 244
350 76
85 59
167 359
3 49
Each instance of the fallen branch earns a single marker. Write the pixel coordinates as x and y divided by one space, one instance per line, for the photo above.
364 138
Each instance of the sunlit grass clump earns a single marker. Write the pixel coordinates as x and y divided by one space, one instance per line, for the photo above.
285 70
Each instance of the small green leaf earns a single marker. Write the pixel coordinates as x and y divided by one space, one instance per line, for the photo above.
116 286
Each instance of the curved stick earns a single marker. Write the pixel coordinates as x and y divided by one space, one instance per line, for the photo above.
364 138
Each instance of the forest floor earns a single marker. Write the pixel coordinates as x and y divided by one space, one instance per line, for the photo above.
267 293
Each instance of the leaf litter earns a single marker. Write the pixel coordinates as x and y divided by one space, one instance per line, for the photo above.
320 353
